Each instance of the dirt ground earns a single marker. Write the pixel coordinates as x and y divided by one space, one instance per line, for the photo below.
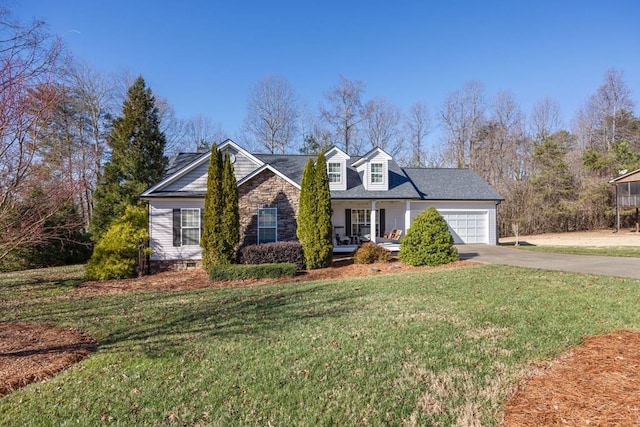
597 383
599 238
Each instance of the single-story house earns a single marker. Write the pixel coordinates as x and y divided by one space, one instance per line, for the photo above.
371 196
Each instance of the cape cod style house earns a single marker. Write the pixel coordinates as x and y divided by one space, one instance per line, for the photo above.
371 197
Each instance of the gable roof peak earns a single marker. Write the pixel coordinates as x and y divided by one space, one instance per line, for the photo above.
372 153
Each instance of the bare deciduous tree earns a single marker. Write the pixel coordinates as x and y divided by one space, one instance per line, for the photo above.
418 126
28 99
90 99
201 132
545 118
382 120
272 114
461 117
598 122
343 113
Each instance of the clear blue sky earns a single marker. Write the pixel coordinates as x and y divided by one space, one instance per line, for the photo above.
203 56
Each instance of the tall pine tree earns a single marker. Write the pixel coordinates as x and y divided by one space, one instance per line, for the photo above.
137 158
212 240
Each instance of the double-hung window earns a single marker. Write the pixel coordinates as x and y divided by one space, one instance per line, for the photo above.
334 171
267 225
190 226
377 173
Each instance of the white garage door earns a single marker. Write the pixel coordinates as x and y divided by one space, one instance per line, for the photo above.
468 227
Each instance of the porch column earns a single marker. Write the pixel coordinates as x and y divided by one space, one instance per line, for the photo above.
617 211
372 221
407 216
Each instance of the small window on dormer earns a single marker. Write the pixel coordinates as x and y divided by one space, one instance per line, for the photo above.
377 176
334 171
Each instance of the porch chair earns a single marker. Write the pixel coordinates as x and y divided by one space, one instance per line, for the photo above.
342 240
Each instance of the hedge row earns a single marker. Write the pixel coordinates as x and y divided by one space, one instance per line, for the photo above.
273 253
251 271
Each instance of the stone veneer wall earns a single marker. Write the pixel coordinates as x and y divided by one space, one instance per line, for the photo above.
267 190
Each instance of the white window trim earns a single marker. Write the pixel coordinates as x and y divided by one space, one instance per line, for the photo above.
182 227
275 227
339 172
380 174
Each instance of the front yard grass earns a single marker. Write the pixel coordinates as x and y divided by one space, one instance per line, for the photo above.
618 251
443 347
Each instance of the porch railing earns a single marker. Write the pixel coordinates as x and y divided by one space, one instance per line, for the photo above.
632 201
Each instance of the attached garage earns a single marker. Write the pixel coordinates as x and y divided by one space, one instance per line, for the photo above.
468 227
469 222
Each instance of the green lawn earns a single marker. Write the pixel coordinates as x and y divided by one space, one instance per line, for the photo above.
434 348
621 251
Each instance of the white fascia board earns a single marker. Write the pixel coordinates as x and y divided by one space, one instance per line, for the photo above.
178 174
370 155
338 152
272 169
230 143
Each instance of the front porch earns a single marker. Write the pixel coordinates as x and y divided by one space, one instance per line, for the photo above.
358 221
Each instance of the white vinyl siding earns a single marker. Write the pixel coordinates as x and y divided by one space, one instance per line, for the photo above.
267 225
190 226
161 230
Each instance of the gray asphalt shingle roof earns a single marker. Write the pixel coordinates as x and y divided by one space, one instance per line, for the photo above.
404 183
451 184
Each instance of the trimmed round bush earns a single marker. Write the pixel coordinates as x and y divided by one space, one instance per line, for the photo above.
369 253
428 241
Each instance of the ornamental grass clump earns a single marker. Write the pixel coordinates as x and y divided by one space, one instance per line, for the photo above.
428 241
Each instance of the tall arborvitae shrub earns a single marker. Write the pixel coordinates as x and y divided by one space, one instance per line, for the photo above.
307 210
212 239
123 247
324 212
231 215
428 241
314 215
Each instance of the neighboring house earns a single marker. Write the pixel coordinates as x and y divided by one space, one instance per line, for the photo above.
627 195
371 195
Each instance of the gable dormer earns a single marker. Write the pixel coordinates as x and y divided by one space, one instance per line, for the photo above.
374 168
337 168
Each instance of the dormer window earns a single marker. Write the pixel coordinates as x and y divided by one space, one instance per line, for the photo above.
335 172
377 173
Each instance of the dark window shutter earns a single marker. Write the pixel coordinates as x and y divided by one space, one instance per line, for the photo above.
177 238
201 223
382 223
347 222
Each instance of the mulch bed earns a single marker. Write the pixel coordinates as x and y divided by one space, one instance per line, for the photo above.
597 383
31 352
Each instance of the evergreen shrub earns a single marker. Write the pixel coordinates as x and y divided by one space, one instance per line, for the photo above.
117 254
428 241
273 253
369 253
251 271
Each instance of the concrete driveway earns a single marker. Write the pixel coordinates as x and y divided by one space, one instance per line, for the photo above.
509 255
